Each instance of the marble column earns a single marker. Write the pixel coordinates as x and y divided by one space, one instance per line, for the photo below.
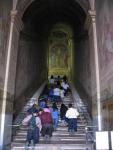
9 81
90 25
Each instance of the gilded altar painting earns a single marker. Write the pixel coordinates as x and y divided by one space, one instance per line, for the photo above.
58 59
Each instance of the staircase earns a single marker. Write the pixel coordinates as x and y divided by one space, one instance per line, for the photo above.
61 140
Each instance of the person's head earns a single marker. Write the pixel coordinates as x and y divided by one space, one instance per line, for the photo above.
54 106
35 113
58 76
46 109
62 105
61 87
70 105
34 105
51 76
40 111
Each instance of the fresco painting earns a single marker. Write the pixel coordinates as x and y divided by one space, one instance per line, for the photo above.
58 59
58 56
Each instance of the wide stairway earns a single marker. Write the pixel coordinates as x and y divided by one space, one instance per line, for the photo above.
61 140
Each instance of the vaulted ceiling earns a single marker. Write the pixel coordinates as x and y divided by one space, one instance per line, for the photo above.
41 15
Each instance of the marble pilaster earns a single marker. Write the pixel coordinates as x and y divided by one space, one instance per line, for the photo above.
7 93
90 25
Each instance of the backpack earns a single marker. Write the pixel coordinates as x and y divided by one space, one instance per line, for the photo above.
32 123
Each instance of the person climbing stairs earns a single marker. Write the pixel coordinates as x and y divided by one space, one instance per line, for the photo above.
61 140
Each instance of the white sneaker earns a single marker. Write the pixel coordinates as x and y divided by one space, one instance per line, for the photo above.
32 145
27 145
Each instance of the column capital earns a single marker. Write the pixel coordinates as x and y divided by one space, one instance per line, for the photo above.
91 18
92 15
15 18
13 15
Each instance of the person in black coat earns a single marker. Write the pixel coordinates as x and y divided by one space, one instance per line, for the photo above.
63 110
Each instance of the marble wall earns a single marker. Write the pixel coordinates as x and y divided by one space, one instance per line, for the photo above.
82 70
82 64
105 46
104 24
31 69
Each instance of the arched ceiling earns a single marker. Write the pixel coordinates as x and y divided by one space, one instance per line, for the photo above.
41 15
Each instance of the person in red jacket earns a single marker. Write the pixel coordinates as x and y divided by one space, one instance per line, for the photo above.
47 127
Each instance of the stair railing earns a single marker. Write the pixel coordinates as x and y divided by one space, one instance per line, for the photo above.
82 108
90 136
22 114
78 102
15 128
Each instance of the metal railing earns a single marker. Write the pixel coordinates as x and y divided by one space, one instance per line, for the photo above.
15 128
90 136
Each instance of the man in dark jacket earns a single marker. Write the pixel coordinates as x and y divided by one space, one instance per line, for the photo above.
63 110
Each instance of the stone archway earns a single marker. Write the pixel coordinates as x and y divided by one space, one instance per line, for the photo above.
91 29
17 26
22 5
90 22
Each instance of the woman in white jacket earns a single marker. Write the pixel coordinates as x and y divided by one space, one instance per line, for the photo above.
72 115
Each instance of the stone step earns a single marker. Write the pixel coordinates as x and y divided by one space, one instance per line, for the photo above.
58 140
61 140
55 134
53 141
79 125
60 129
22 137
65 134
55 147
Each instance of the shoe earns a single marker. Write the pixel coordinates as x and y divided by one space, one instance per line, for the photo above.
32 145
47 139
71 132
55 128
27 144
